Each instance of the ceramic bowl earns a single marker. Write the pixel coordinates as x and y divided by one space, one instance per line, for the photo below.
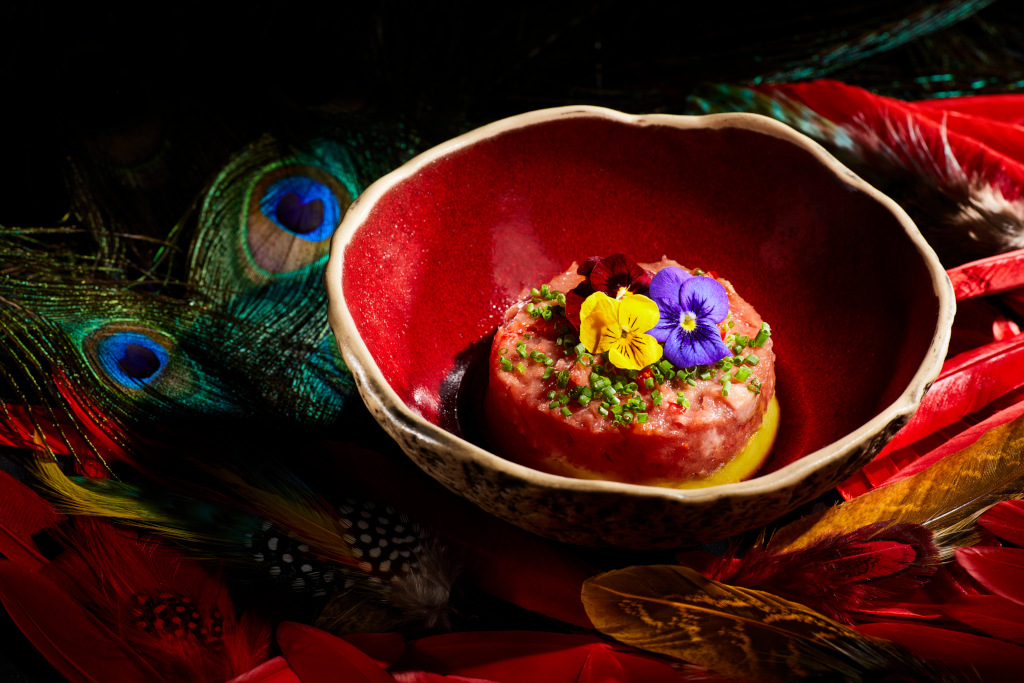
426 261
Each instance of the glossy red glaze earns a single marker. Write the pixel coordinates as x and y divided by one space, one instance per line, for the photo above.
429 274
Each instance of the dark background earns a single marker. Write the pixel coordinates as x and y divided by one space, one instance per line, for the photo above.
213 77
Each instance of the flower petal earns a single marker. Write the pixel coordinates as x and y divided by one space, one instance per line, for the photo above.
666 283
599 323
637 313
635 352
668 320
706 298
611 274
574 301
702 346
588 265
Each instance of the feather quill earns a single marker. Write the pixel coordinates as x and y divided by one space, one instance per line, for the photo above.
739 632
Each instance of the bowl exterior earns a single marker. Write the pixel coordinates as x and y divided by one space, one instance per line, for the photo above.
607 513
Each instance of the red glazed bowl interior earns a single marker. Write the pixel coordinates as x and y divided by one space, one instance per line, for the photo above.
429 273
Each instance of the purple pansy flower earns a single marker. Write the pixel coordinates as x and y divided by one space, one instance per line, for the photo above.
691 308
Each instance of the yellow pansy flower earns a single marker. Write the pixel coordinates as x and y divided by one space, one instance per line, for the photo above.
619 327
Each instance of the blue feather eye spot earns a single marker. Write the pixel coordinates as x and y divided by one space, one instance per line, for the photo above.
131 359
134 358
303 206
293 210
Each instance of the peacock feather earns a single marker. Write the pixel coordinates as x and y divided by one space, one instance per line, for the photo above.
100 344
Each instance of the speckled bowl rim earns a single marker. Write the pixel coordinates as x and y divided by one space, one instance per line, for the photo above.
377 393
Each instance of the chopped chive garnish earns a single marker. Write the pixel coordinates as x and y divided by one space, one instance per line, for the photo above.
641 418
547 373
627 416
531 309
503 350
521 349
535 293
554 404
580 349
649 382
656 397
616 410
664 366
563 378
762 336
560 298
602 410
742 374
521 368
583 400
544 291
545 313
566 411
691 381
537 355
725 387
506 364
751 360
551 394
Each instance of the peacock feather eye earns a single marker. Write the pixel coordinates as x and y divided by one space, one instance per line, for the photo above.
134 357
292 212
303 206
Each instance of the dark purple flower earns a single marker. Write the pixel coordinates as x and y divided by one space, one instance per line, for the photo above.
614 275
691 308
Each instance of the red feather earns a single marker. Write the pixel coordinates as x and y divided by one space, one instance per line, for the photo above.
893 466
1005 519
535 657
318 657
383 648
989 658
22 514
839 574
1001 570
427 677
986 150
274 670
173 613
987 276
992 614
74 641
